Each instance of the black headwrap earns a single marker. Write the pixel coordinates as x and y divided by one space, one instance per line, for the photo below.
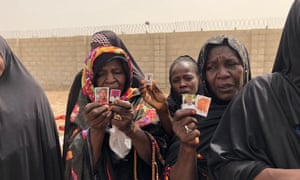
260 127
29 145
287 60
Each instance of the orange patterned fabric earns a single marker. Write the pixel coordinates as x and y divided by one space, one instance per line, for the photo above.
88 75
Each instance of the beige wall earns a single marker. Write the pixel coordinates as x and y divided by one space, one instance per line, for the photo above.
55 61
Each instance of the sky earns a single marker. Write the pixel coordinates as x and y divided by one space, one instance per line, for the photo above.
19 15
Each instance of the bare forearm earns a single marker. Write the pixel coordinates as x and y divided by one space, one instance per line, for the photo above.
185 166
96 143
166 121
278 174
141 143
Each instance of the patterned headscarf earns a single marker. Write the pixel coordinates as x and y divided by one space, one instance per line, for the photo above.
88 73
109 38
99 39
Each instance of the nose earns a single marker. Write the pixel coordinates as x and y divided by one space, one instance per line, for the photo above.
110 78
182 84
223 73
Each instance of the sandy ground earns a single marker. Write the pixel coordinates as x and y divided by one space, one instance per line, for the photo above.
58 101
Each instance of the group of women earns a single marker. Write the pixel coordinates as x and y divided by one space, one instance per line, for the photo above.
156 126
251 130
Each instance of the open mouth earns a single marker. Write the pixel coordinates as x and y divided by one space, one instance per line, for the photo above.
226 88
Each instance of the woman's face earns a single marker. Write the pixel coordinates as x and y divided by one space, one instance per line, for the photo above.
184 78
2 66
112 75
224 72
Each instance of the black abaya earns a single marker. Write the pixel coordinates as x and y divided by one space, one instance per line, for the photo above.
29 145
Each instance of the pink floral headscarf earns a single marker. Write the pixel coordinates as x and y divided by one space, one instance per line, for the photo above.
88 74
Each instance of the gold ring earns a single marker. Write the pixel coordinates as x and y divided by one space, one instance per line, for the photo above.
118 117
187 129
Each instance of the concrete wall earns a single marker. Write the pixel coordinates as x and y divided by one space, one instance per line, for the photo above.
55 61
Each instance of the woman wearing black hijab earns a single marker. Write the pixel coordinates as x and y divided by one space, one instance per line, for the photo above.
184 78
29 145
225 68
258 136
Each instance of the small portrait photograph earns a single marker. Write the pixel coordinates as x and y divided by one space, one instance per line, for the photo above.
202 104
188 101
101 95
149 78
114 94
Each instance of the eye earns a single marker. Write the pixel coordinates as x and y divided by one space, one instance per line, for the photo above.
188 78
232 63
211 67
118 71
175 80
101 74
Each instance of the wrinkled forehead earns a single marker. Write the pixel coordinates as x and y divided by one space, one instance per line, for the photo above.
112 63
232 43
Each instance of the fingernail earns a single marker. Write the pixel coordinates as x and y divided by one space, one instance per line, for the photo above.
193 112
197 140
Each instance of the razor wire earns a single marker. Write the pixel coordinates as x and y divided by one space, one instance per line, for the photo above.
148 27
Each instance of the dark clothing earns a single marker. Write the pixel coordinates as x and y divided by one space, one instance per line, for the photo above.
29 144
174 102
207 125
287 59
102 38
78 150
109 165
258 130
261 126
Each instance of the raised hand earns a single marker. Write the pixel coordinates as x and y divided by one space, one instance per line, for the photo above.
156 98
153 96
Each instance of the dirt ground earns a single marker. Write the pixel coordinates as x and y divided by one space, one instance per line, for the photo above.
58 101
